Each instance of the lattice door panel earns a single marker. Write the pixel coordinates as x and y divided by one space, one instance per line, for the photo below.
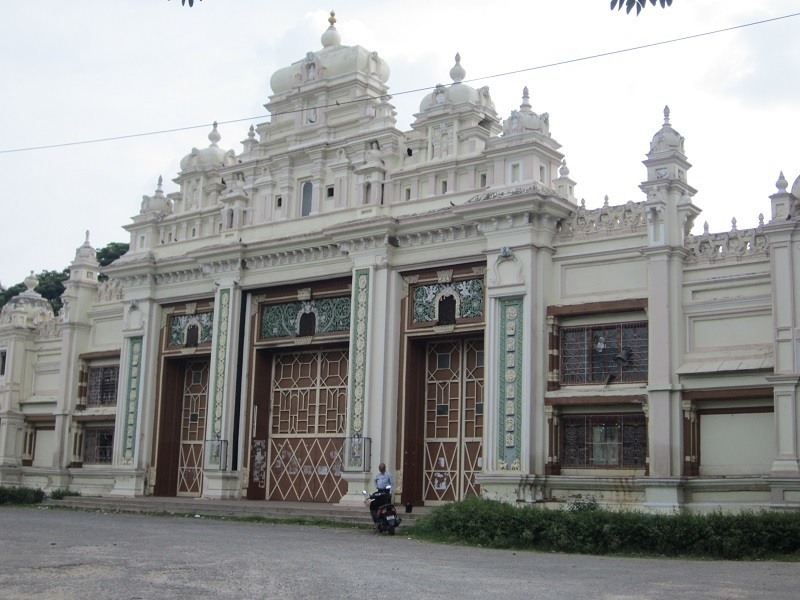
453 419
309 403
193 427
307 469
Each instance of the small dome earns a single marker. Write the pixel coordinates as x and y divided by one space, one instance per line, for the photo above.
457 92
796 187
28 309
666 138
213 155
331 61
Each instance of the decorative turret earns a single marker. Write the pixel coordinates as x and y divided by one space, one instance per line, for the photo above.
666 163
454 120
157 203
669 197
565 187
457 92
525 120
85 266
211 156
785 205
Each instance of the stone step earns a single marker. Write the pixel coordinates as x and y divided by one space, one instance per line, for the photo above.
305 511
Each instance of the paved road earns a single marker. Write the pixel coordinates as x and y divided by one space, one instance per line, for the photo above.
47 553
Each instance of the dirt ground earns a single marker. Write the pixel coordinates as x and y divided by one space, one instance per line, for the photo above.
50 553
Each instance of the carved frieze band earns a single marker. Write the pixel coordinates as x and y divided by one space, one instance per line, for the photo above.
132 388
509 382
358 364
289 257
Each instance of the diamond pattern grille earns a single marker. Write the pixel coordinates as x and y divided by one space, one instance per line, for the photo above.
453 419
309 402
193 426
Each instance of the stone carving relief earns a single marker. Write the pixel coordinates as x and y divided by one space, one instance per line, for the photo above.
506 255
283 320
468 295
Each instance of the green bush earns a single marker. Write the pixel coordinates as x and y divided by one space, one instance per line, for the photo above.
590 529
60 494
21 495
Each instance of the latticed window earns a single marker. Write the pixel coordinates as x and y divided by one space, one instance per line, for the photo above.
102 389
98 445
604 441
604 353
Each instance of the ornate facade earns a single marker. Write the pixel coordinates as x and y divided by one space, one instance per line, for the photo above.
342 293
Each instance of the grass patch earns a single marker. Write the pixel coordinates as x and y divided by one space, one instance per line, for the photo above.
21 495
589 529
60 494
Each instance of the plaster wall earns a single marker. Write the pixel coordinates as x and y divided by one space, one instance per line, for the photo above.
45 448
737 444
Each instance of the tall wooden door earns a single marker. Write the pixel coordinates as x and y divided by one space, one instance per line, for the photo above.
453 444
193 427
307 425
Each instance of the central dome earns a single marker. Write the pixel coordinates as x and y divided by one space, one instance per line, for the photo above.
329 62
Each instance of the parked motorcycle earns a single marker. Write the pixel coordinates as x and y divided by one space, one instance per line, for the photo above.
382 510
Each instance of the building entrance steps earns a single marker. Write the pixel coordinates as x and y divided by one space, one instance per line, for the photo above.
267 509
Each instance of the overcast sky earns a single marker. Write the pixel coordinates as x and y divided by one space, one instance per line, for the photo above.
85 69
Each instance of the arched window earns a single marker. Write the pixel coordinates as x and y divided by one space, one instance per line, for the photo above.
305 207
192 336
308 324
367 193
447 311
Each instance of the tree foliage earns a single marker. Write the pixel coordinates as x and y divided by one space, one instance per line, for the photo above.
108 254
51 283
639 4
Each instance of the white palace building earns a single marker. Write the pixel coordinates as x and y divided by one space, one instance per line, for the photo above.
342 293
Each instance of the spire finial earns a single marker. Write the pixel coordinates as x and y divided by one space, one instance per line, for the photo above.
666 115
86 241
331 38
781 184
160 182
251 133
214 136
526 100
457 73
564 170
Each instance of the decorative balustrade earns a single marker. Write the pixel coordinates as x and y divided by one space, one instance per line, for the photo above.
736 243
623 218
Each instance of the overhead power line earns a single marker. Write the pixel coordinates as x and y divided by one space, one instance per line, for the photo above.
412 91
